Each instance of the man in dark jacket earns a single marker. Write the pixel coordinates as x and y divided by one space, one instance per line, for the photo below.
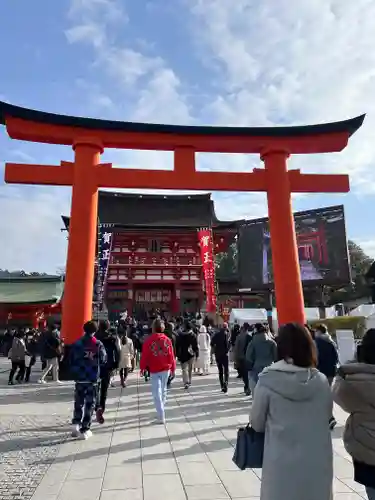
111 346
220 344
87 356
51 353
328 357
187 351
242 341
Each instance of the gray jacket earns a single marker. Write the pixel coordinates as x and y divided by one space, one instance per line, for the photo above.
354 391
260 353
240 347
293 405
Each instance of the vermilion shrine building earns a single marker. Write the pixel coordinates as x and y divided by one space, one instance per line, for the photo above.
155 260
30 300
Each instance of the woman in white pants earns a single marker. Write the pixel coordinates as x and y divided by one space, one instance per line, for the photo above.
204 345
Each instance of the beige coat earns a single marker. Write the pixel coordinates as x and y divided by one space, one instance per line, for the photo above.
354 391
126 355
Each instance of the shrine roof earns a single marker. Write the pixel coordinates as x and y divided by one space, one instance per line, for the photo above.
152 211
9 110
31 290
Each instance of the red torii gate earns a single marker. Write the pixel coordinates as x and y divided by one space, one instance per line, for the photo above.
89 137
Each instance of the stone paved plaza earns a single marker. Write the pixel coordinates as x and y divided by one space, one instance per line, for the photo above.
129 457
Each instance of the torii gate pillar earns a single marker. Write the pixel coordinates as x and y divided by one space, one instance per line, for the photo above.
285 262
79 278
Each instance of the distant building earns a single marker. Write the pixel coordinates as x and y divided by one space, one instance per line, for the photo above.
29 300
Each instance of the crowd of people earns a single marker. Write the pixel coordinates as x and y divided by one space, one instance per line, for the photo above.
293 377
24 346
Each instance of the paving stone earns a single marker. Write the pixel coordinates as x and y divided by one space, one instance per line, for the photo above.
127 476
206 492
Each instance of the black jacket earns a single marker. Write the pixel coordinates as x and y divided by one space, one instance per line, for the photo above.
51 344
220 343
327 355
186 346
112 349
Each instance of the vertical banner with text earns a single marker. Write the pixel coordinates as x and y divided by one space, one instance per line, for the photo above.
208 263
105 239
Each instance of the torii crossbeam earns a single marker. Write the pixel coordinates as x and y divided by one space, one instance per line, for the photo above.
89 137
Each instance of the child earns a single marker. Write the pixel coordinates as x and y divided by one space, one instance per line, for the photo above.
87 356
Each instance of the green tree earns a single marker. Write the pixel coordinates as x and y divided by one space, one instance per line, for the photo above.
226 263
360 263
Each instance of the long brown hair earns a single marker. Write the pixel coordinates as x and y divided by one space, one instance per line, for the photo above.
294 342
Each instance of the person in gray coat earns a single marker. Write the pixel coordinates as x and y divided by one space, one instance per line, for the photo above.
260 353
293 404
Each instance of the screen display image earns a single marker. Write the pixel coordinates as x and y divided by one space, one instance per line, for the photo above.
322 249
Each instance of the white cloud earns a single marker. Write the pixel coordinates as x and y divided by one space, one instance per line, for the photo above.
157 90
368 246
279 65
161 101
105 10
90 33
30 223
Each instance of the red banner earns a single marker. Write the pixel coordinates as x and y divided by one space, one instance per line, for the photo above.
207 257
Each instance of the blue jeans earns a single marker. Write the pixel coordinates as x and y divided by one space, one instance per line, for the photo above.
370 493
159 392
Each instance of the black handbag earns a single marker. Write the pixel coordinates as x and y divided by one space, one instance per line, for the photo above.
249 450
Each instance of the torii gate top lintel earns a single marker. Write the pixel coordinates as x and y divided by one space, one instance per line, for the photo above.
38 126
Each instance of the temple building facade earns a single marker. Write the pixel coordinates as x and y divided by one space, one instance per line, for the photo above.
155 258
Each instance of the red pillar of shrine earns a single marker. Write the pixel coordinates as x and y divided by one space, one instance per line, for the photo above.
35 321
79 280
285 262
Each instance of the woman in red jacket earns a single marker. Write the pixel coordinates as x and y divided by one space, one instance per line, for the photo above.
158 357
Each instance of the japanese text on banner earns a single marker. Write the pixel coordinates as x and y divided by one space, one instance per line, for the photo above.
104 254
207 257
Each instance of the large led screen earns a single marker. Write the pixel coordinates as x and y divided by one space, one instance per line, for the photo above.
322 249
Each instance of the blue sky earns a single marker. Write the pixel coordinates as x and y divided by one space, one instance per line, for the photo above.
187 61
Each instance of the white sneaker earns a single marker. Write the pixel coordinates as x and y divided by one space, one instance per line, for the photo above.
86 435
75 431
41 381
59 382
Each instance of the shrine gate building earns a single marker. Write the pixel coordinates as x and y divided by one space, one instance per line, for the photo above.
155 258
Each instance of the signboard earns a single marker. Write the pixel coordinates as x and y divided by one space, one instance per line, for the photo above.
105 239
117 294
142 296
346 345
208 264
322 249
